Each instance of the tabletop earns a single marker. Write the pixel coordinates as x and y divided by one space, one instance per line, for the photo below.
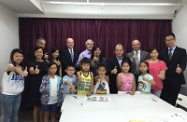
140 107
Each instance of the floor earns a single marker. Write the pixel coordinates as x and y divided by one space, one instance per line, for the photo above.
26 116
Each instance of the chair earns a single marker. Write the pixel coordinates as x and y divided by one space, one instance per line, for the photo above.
182 101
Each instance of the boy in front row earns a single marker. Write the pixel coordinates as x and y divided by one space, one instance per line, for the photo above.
70 80
85 78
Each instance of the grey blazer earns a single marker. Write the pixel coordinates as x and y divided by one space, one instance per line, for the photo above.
143 56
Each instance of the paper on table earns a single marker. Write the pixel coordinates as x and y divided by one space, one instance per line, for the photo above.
98 98
91 98
103 98
174 118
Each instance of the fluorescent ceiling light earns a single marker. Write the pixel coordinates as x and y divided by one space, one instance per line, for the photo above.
110 4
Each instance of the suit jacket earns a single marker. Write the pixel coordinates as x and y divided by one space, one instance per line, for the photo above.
111 63
143 56
66 58
178 57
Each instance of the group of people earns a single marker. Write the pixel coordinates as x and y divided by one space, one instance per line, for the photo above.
64 72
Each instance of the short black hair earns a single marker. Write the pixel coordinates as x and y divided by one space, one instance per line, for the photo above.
39 39
101 65
35 49
144 63
170 34
153 48
126 61
70 65
85 61
50 64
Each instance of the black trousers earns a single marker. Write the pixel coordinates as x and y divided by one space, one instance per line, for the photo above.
170 92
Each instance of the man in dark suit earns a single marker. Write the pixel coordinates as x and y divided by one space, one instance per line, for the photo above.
69 55
136 57
114 67
175 59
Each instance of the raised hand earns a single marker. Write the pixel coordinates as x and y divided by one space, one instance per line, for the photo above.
72 89
58 63
134 57
82 56
46 56
161 76
178 69
37 71
95 58
25 72
114 71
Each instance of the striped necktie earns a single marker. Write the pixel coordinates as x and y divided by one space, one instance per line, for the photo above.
71 53
170 54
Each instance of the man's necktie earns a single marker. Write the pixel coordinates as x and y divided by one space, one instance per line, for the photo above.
137 63
71 53
137 60
170 54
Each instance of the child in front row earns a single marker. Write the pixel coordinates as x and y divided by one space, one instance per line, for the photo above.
85 78
52 96
101 80
69 80
126 80
145 80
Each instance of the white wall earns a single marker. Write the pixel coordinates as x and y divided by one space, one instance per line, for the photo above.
9 37
180 29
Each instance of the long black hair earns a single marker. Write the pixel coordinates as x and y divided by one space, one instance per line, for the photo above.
153 48
53 50
128 62
145 64
35 49
100 56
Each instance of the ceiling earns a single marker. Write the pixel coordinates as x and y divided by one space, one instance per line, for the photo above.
131 9
21 6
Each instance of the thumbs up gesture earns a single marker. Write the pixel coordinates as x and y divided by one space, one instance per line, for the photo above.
37 71
72 89
178 69
95 58
58 63
46 56
25 72
134 57
161 76
82 56
114 71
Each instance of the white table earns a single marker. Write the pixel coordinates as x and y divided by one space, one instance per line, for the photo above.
122 107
